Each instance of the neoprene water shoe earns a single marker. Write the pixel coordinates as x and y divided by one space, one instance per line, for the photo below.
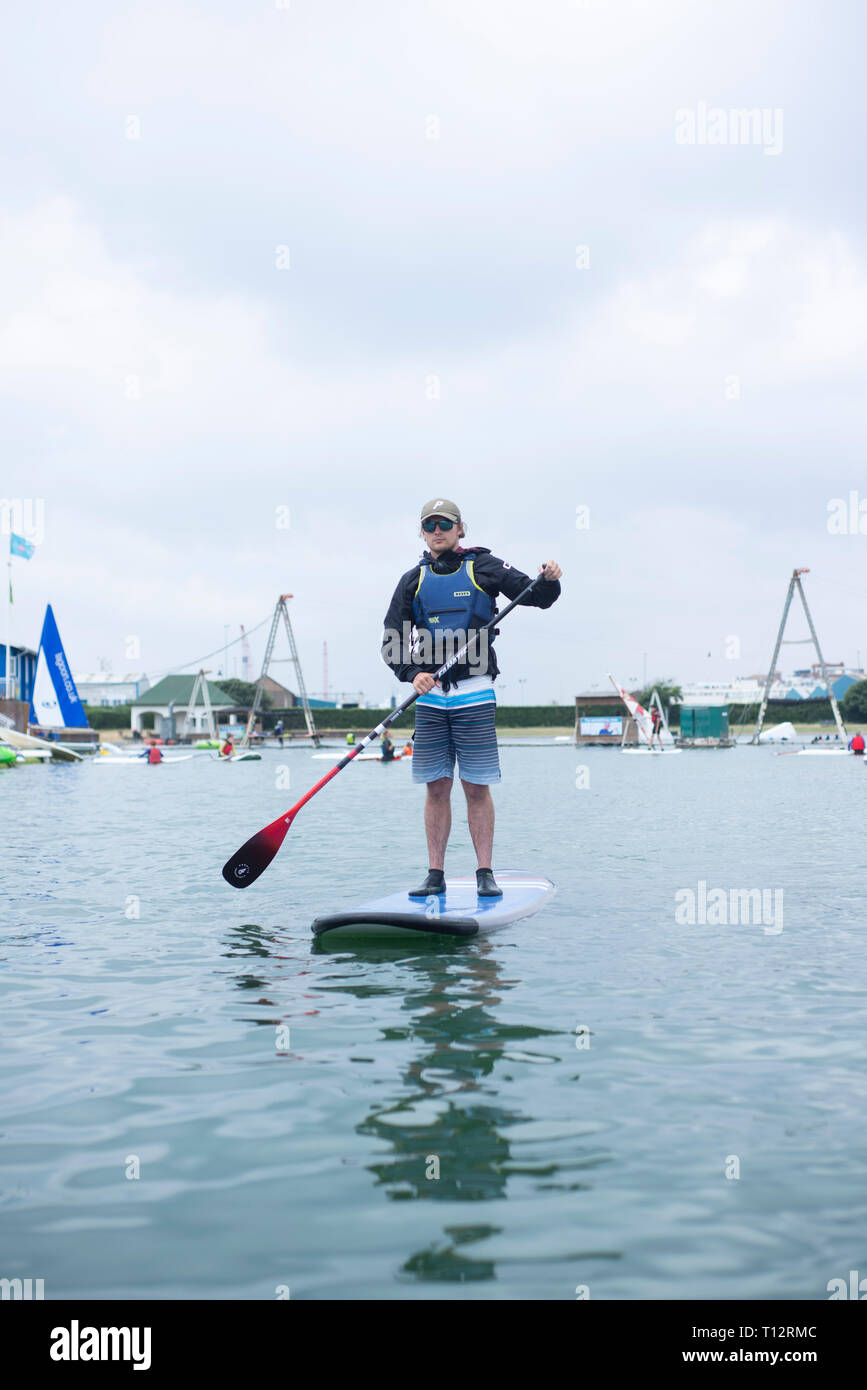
486 884
434 883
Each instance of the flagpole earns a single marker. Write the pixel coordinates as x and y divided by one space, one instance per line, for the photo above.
9 625
18 545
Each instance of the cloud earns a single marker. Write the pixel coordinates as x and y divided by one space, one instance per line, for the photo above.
224 426
779 304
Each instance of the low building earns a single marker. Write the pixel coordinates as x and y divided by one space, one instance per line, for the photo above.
749 690
599 721
279 696
704 726
22 671
168 702
106 689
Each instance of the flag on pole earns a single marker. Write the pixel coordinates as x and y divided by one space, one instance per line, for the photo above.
19 546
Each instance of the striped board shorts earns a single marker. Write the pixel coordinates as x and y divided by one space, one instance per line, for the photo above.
461 725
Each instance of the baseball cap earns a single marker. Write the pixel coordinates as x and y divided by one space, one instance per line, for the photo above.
441 506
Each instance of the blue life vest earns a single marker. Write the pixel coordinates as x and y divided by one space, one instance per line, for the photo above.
450 601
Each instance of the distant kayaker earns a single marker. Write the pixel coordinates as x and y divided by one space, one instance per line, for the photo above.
278 732
857 744
228 747
455 719
154 754
387 749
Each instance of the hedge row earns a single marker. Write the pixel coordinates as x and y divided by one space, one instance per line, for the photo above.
778 711
508 716
108 716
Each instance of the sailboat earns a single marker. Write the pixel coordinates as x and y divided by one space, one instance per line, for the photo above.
55 703
643 723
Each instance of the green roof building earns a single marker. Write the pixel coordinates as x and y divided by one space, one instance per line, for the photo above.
171 696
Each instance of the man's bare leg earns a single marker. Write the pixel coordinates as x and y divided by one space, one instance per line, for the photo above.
438 820
480 814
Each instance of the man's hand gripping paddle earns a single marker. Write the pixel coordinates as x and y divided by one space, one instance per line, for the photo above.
253 858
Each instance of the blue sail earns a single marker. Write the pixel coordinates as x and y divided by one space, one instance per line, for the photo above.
55 703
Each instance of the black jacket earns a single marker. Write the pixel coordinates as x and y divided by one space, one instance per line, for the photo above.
493 575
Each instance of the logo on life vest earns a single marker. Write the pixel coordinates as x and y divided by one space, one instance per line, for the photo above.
461 593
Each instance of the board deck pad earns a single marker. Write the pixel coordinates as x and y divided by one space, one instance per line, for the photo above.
459 912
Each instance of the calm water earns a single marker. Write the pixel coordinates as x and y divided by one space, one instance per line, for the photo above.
304 1161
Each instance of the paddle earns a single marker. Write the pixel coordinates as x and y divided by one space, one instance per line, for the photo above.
253 858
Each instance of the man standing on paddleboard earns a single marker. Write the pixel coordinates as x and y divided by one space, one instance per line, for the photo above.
449 596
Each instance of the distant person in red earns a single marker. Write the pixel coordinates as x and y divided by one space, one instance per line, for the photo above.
154 754
857 744
656 732
228 748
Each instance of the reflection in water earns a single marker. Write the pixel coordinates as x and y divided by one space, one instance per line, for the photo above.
251 940
446 1264
446 1140
443 1149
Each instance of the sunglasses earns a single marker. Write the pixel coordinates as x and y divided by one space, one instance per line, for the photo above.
438 522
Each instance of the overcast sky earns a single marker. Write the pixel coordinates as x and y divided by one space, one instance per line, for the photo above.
328 258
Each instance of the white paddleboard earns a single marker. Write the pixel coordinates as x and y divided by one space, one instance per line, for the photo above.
826 753
652 752
140 762
459 912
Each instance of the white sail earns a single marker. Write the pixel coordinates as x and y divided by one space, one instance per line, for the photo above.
643 721
54 703
46 705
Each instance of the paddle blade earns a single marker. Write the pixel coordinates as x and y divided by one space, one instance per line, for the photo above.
253 858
